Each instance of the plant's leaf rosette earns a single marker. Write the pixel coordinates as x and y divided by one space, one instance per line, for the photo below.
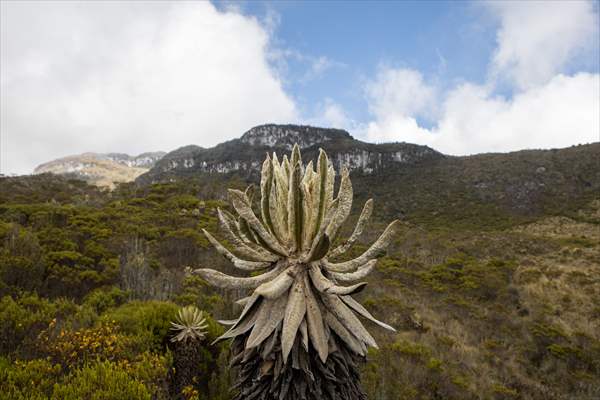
299 296
190 324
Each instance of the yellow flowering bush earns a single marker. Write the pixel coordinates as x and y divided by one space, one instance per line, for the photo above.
73 348
190 393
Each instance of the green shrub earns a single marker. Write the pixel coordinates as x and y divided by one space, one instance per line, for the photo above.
150 369
147 322
21 265
101 381
24 318
27 380
103 299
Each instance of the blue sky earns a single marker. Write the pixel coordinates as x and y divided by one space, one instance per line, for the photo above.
463 77
444 40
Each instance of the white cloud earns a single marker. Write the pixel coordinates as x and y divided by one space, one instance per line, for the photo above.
334 115
547 108
130 77
536 39
563 112
400 91
329 114
396 98
317 66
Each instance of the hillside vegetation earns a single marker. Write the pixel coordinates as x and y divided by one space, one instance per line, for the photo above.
495 294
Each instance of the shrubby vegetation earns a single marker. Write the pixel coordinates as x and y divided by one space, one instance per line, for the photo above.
90 280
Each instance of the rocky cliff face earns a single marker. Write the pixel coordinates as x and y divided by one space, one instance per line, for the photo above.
102 169
406 178
144 160
245 155
285 136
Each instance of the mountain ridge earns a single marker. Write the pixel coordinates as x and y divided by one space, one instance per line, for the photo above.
412 180
245 154
101 169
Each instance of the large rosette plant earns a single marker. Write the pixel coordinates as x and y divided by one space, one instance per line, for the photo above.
299 335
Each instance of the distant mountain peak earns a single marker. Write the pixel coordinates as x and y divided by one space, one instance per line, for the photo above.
285 136
102 169
244 155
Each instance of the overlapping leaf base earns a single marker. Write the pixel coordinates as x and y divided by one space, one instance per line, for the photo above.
262 374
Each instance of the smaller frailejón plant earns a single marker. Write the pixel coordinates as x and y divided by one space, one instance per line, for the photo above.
189 329
299 336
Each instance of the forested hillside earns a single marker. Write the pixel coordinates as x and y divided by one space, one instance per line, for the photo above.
489 302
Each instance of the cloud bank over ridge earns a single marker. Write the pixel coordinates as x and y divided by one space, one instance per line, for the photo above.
131 77
135 77
547 108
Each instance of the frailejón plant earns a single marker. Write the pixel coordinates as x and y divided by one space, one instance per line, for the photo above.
298 335
189 330
190 324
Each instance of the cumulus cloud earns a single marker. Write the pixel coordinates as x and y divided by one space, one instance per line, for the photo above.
537 39
546 109
397 97
563 112
130 77
330 114
400 90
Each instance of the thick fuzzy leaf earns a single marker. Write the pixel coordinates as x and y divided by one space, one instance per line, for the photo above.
222 280
344 197
346 290
244 323
240 204
266 181
338 308
249 192
307 210
253 253
320 190
251 240
252 301
278 213
270 314
358 230
242 302
376 250
360 273
329 185
281 177
317 241
320 250
294 315
321 283
278 286
304 334
285 164
237 262
356 306
344 334
295 209
314 319
296 157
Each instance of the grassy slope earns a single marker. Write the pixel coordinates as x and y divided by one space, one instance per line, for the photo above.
494 286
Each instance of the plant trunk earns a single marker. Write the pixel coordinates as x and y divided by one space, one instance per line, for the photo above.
262 374
186 365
